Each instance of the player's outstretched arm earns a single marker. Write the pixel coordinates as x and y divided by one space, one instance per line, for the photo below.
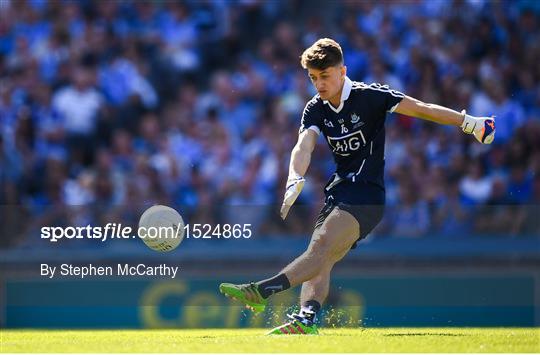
483 128
300 159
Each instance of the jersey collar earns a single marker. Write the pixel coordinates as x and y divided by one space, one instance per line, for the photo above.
347 86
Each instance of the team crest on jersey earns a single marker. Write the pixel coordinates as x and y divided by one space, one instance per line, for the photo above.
328 123
355 118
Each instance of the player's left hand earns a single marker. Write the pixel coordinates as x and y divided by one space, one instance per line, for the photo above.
295 184
483 128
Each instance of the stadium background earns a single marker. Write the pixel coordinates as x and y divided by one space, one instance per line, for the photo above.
109 107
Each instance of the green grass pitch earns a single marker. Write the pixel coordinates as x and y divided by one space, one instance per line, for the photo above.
373 340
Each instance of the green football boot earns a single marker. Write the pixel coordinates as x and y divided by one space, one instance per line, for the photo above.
296 325
245 293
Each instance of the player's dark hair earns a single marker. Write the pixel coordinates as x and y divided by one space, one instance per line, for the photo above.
322 54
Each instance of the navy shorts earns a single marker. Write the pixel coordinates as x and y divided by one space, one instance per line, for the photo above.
364 200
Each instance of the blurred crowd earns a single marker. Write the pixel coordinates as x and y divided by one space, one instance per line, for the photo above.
112 106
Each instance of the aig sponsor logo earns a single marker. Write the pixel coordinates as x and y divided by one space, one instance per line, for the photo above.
347 144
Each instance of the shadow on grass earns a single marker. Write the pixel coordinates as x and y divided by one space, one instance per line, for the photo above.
424 334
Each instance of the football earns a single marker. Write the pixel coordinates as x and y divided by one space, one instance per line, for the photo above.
161 228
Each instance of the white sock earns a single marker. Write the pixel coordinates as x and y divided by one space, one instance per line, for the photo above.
307 313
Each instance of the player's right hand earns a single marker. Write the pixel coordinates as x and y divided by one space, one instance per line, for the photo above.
483 128
295 183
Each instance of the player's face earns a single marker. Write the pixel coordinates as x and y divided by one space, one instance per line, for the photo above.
328 81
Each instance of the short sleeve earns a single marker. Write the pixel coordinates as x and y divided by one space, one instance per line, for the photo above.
384 97
311 117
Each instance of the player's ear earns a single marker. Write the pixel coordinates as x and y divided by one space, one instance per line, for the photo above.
343 70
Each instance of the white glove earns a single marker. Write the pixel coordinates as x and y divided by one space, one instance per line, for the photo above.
295 183
483 128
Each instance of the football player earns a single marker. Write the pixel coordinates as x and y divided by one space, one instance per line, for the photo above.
351 117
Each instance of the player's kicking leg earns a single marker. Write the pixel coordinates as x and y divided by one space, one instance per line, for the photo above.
329 243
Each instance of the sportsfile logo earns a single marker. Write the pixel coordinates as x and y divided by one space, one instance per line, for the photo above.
150 234
347 144
109 231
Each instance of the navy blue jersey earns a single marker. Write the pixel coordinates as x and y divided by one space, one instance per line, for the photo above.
355 130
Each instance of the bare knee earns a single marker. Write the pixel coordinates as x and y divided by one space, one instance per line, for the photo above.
324 251
318 245
334 238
